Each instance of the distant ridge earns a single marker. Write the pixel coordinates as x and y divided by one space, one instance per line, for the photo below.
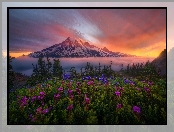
161 61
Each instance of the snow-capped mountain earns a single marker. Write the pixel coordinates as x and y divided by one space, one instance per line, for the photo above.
76 48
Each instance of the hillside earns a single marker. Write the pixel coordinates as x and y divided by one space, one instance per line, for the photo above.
161 62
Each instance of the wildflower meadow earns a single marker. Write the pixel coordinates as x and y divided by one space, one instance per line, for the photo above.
97 95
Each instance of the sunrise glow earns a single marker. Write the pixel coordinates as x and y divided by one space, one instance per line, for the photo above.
13 54
139 32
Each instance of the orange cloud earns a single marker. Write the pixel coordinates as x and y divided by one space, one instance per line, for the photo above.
129 31
14 54
60 31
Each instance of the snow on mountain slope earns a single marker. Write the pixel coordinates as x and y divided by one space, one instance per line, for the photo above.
76 48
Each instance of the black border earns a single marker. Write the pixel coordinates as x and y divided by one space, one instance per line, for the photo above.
8 8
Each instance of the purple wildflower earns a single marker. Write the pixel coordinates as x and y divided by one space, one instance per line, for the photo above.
70 92
117 93
69 108
136 109
88 77
39 110
117 84
101 78
45 111
56 96
138 89
39 97
24 98
33 98
89 83
119 106
150 83
126 81
105 81
42 94
78 90
147 90
87 100
66 76
60 89
31 115
50 108
23 101
92 82
71 97
132 83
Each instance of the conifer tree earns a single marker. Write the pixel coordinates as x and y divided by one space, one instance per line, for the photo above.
11 73
57 69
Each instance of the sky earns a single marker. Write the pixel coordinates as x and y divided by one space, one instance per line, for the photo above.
140 32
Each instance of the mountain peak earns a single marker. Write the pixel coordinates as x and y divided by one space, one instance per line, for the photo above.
76 47
74 39
105 49
68 39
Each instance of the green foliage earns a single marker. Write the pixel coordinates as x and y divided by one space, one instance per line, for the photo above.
102 108
43 71
103 103
57 69
148 69
96 71
11 73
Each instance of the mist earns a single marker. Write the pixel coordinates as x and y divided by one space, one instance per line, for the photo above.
24 64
